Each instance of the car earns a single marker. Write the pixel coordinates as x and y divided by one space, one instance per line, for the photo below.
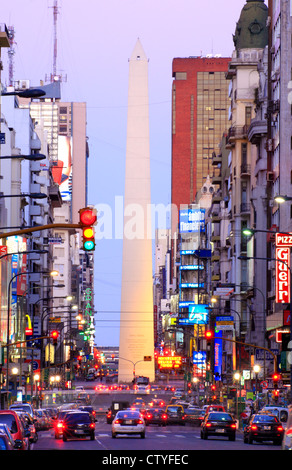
5 443
29 424
157 403
90 377
78 425
58 422
139 402
218 423
128 422
114 408
79 388
42 420
142 388
263 427
84 398
5 430
169 388
175 414
281 412
155 416
19 434
90 410
287 438
26 407
210 408
194 416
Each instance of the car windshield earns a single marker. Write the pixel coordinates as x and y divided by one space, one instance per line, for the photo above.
220 417
174 409
193 411
128 415
77 418
265 419
9 420
23 407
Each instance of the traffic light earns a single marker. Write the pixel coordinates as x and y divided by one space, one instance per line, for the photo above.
55 336
276 377
88 218
209 334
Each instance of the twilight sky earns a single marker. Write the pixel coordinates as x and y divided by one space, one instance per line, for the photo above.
95 41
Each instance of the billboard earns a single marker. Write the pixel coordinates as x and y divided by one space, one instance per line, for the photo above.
62 168
192 220
283 275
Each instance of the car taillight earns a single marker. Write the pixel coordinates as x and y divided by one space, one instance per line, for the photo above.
139 421
280 428
92 425
149 416
233 426
208 425
109 414
118 421
254 427
59 425
164 416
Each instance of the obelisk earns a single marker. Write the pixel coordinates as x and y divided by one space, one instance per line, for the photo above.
136 346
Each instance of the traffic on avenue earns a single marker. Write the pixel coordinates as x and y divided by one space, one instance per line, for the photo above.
163 421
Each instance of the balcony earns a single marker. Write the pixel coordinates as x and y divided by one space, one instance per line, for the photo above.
245 169
257 130
234 133
245 207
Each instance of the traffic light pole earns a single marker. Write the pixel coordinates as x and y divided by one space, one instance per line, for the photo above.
253 346
38 228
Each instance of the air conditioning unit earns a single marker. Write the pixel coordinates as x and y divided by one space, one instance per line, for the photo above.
270 176
22 84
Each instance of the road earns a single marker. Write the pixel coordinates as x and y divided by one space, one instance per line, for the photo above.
171 439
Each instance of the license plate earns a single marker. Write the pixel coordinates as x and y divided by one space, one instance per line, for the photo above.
128 421
79 431
220 430
267 428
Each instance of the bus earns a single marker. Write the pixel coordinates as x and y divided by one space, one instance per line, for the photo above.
142 384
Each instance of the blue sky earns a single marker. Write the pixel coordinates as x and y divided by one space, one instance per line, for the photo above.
95 41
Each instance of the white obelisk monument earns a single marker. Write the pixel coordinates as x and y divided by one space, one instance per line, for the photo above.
136 320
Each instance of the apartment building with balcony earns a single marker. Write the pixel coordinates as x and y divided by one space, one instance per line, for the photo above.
250 40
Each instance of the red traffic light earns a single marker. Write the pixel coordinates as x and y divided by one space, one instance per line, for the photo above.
54 336
209 334
276 377
87 216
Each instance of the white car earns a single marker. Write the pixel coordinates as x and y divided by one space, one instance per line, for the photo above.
128 422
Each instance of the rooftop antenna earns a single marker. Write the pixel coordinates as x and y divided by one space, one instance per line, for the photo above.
54 76
11 52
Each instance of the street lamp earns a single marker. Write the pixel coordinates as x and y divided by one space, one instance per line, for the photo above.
31 195
280 199
52 273
237 377
33 157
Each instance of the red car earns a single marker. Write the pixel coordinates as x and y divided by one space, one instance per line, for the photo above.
19 434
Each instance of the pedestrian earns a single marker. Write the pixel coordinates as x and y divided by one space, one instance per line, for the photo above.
244 416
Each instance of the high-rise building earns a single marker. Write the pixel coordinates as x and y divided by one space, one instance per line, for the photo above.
200 113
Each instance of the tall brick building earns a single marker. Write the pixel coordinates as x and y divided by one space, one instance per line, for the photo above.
200 113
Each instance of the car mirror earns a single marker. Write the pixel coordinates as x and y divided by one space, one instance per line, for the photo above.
18 444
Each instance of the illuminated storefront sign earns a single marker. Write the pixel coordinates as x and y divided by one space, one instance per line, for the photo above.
169 362
192 220
283 275
218 355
